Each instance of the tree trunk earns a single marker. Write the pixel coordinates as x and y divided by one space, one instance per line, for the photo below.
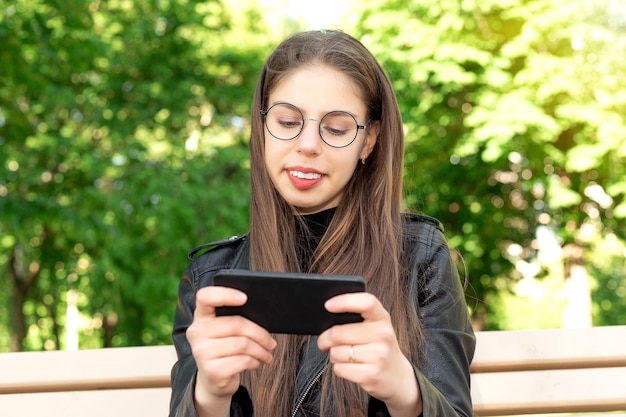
23 278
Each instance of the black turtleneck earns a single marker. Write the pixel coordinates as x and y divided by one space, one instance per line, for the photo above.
310 229
309 232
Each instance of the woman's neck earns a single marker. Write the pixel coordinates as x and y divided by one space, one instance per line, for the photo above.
317 223
310 229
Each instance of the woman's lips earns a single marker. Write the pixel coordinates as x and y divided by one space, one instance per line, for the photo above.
303 179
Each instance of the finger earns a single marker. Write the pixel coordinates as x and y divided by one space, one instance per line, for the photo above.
233 346
221 371
362 303
208 298
216 328
346 335
359 363
365 333
366 353
346 354
354 372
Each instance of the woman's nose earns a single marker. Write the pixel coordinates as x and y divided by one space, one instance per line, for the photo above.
309 140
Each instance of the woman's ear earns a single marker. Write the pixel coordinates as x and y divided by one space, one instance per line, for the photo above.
373 130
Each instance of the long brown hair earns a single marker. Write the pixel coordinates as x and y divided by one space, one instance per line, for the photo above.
365 235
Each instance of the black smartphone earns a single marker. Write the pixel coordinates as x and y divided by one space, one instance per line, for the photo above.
291 303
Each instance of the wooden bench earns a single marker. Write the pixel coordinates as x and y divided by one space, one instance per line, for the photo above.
550 371
514 372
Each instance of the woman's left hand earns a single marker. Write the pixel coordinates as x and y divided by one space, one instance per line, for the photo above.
368 354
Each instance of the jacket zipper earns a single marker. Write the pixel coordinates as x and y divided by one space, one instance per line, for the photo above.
308 388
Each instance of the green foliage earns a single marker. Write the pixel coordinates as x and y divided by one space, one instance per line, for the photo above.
123 129
514 119
122 139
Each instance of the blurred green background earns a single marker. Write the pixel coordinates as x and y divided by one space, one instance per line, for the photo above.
123 144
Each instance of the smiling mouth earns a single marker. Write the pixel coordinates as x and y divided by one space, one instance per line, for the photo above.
305 175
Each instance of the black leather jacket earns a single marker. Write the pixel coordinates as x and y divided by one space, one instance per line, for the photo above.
449 346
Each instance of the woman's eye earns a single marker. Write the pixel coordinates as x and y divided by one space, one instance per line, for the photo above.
289 124
335 131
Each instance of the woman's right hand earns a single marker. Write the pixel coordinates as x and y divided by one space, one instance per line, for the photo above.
223 347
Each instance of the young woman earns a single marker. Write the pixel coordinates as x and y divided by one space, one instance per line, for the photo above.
326 153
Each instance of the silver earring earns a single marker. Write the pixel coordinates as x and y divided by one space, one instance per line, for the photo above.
363 161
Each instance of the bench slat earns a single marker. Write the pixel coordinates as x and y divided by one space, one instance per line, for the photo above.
557 391
499 351
147 402
129 367
514 372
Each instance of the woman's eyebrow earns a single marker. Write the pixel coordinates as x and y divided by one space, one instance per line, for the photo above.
302 111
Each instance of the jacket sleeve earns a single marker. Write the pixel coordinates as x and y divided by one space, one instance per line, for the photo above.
184 371
444 375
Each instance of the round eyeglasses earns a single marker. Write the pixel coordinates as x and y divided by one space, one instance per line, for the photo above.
285 121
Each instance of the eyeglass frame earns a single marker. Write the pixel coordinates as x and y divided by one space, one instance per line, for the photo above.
358 126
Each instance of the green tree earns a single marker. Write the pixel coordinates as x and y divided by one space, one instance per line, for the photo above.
123 146
514 113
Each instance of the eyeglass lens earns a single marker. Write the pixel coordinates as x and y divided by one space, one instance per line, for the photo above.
285 121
